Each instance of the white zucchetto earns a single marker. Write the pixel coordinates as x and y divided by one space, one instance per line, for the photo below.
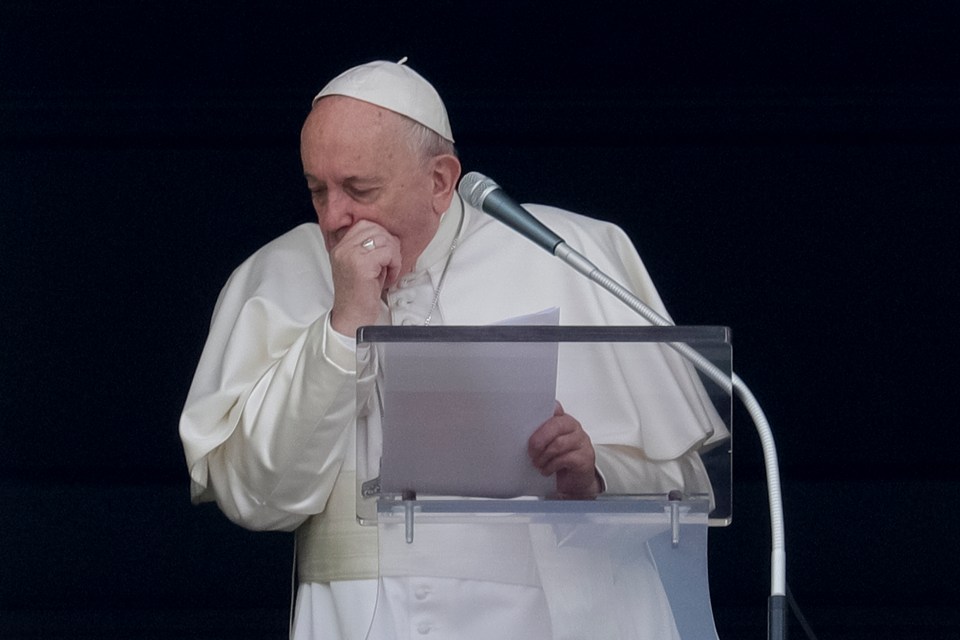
393 86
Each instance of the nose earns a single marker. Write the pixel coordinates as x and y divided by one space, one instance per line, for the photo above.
335 212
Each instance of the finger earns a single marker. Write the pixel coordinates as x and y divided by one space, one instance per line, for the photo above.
549 431
577 460
580 485
385 251
367 251
563 451
393 266
366 236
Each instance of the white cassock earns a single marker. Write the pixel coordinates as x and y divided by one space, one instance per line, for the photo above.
269 425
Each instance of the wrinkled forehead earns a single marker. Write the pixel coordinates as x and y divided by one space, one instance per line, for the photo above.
341 118
347 135
346 110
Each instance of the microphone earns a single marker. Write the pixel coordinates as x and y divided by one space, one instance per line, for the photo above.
483 193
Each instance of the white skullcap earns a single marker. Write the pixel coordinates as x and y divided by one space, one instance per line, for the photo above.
393 86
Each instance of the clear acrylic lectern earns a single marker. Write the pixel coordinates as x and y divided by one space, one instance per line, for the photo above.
444 415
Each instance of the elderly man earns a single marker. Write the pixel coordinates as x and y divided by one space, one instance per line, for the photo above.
269 426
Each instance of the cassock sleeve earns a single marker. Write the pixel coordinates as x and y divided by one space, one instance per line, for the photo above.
266 423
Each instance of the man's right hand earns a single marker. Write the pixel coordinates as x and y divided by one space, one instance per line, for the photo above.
361 273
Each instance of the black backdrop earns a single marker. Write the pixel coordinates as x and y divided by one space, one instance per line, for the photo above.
788 170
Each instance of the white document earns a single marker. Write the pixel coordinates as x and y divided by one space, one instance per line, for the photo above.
457 415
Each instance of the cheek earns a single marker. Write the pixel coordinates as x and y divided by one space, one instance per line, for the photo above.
418 228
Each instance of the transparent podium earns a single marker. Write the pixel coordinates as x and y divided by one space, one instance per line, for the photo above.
474 543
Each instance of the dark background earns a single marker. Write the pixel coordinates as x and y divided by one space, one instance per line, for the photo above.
786 169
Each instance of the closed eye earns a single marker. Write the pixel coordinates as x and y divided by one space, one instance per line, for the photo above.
318 194
362 194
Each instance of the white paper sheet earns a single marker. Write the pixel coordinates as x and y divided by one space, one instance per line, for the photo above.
457 415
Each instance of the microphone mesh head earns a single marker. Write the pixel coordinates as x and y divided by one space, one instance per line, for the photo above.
474 188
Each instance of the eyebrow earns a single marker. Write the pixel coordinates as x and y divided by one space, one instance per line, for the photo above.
370 181
355 182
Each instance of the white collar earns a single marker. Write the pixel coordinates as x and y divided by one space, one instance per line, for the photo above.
439 247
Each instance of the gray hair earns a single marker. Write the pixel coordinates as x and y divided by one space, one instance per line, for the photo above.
423 142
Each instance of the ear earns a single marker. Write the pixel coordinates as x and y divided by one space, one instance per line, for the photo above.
445 173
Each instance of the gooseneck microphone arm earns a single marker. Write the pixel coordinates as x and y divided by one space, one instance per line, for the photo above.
485 194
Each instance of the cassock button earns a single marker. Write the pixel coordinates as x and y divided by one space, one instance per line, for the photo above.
422 593
423 628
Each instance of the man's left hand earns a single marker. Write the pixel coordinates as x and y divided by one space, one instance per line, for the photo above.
561 446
